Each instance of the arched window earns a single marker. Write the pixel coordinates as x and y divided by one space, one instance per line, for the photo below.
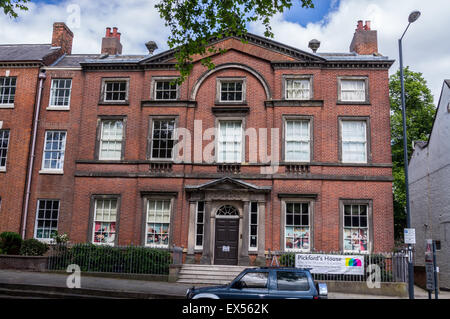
227 210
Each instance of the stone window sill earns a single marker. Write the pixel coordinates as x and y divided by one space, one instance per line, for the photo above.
58 108
6 106
48 172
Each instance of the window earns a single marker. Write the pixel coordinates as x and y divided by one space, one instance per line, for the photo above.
199 224
255 280
60 93
4 143
298 141
292 281
111 140
353 90
105 219
115 90
54 149
46 219
354 141
356 230
158 223
163 139
298 89
297 227
7 90
230 142
253 226
231 90
165 90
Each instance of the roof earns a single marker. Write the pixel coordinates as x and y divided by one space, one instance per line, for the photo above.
25 52
74 60
352 57
447 82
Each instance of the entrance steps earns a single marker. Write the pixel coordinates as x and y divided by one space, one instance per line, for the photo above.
208 274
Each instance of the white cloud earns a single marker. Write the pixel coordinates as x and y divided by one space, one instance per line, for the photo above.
426 45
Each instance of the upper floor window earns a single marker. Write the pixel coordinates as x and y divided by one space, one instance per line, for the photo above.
231 90
230 142
115 90
54 150
7 91
297 88
354 141
4 143
165 90
353 89
162 139
297 140
111 140
60 93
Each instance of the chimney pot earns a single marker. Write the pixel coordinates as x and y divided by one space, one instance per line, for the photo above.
359 26
108 32
365 41
367 26
111 42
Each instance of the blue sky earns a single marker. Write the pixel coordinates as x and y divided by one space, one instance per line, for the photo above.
303 16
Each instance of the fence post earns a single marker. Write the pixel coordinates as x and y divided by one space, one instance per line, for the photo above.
174 269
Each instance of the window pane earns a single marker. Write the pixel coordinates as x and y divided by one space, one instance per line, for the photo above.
255 280
54 150
231 91
353 90
292 281
47 219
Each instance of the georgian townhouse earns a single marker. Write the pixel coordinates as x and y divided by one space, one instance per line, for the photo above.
20 80
276 149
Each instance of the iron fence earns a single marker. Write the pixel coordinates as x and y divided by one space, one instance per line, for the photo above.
393 267
107 259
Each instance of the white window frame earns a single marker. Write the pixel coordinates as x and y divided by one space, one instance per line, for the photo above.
119 80
155 89
3 168
8 105
53 90
62 151
220 141
95 220
102 122
286 202
198 247
297 79
250 226
365 142
147 222
243 82
174 138
363 80
37 219
369 244
299 139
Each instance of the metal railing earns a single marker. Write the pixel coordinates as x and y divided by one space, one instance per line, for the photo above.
107 259
393 267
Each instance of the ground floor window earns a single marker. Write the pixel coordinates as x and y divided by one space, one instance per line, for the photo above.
199 225
297 230
356 230
105 220
46 218
158 223
253 226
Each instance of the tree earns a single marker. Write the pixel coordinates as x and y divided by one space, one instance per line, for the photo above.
194 24
10 7
420 112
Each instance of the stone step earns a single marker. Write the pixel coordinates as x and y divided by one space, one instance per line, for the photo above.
209 274
204 282
209 277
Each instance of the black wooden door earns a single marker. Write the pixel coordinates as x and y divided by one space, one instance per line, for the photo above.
227 239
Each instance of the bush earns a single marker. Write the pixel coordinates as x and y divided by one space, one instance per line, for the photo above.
33 247
287 260
10 243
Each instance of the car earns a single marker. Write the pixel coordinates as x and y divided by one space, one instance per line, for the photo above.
265 283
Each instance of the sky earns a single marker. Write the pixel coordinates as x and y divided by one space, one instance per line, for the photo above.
426 45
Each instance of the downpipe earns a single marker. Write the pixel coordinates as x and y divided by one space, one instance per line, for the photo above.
42 78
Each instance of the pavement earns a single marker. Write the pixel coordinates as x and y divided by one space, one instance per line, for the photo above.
36 285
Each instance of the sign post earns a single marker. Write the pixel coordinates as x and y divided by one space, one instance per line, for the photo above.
430 268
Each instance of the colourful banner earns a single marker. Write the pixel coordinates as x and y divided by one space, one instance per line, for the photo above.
331 264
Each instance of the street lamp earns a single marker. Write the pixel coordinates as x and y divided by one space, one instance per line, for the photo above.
412 18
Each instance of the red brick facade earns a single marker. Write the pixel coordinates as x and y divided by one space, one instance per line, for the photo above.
324 182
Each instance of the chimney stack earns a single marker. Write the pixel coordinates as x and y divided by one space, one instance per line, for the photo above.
62 37
365 40
111 42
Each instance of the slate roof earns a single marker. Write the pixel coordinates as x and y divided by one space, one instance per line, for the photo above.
25 52
74 60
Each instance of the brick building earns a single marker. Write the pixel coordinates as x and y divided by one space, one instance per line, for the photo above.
275 149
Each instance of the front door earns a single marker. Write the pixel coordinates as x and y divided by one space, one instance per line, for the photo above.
227 239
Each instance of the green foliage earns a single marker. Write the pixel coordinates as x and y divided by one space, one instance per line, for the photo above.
287 260
10 243
33 247
10 7
194 24
94 258
420 112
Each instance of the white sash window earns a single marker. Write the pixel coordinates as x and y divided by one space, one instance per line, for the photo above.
354 141
353 90
298 89
230 142
298 141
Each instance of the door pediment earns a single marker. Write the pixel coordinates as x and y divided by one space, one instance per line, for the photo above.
228 184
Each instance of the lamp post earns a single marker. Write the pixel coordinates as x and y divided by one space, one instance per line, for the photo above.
412 18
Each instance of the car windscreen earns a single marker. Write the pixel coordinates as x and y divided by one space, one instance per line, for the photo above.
292 281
